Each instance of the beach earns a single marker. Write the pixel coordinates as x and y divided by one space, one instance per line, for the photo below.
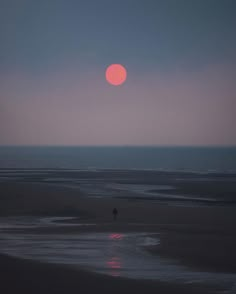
195 241
25 276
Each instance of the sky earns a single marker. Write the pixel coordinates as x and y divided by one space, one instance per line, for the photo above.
180 57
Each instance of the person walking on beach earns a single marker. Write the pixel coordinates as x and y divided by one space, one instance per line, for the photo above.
115 212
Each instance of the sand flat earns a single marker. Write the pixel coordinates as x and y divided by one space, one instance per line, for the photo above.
192 236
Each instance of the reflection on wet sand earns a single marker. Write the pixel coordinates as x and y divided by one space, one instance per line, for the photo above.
115 254
114 262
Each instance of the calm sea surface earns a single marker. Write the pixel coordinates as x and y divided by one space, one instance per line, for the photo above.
166 158
162 158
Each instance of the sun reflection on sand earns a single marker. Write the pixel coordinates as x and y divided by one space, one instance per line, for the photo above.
114 263
116 236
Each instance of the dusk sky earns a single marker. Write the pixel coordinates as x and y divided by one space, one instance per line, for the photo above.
180 58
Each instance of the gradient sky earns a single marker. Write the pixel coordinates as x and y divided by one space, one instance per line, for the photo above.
180 57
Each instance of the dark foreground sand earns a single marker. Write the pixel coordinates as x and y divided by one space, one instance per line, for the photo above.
23 276
199 237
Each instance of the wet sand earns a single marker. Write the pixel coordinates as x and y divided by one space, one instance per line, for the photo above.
198 237
24 276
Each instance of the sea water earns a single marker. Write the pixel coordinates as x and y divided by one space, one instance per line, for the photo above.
202 159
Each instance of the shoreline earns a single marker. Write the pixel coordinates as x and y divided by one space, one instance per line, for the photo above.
180 188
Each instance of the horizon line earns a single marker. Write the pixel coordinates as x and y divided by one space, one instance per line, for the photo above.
121 145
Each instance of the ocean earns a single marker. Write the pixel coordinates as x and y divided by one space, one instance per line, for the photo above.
197 159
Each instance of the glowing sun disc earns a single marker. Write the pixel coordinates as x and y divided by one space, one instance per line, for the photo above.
116 74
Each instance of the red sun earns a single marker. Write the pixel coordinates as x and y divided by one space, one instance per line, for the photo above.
116 74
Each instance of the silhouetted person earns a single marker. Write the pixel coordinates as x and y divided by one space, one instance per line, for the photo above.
115 212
